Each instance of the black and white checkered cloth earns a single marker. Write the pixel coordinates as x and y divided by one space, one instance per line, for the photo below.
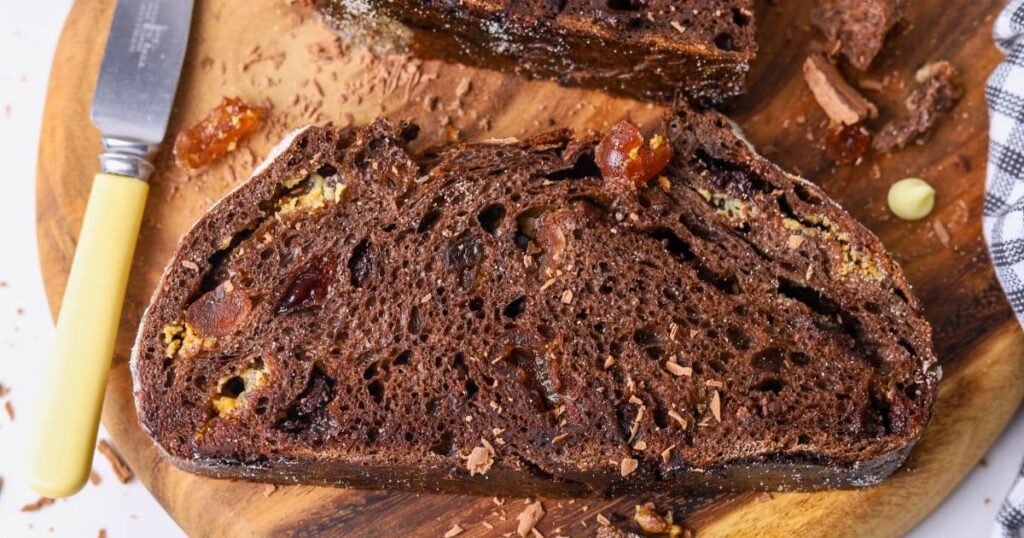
1003 214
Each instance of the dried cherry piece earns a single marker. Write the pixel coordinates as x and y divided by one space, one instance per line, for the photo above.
463 255
219 312
847 143
215 135
626 162
309 287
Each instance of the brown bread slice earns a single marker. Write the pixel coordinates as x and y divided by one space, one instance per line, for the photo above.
646 49
495 318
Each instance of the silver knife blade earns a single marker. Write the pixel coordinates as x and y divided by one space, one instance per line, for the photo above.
140 70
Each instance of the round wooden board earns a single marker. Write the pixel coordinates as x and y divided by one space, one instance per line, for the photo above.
268 52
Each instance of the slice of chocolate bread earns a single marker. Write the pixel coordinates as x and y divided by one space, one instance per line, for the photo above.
858 28
646 49
550 316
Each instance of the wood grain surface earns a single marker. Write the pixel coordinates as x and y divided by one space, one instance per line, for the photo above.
281 57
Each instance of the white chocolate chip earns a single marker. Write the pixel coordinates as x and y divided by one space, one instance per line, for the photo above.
911 198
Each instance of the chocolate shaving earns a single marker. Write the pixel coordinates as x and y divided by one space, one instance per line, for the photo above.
666 454
480 458
677 417
121 469
678 370
37 505
529 517
941 233
839 100
716 406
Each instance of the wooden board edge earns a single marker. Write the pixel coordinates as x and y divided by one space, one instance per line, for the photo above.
55 249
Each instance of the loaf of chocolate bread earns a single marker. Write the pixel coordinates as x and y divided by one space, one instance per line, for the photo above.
646 49
562 315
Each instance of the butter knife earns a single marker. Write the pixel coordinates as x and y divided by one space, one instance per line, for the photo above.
134 94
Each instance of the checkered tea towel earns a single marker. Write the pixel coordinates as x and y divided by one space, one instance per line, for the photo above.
1003 214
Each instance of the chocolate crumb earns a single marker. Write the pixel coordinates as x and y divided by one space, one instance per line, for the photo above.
963 164
94 477
465 85
936 93
795 241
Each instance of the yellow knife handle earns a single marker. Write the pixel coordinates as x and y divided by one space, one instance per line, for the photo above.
64 430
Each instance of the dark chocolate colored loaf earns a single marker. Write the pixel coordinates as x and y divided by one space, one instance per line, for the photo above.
498 318
646 49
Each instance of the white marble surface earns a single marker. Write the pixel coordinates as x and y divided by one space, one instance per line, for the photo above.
28 34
